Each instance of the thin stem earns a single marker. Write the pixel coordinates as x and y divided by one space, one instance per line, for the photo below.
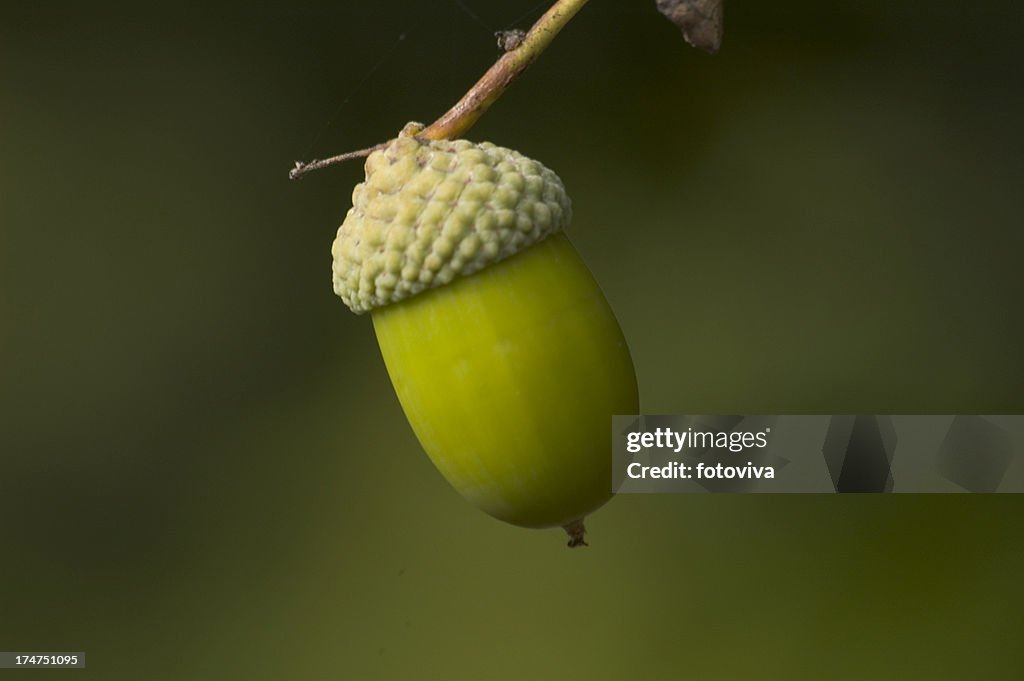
461 117
301 168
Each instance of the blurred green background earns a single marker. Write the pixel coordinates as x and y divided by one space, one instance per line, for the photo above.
204 473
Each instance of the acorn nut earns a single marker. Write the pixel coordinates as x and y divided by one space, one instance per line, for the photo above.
502 349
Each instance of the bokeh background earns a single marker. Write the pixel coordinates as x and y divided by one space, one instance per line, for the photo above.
204 473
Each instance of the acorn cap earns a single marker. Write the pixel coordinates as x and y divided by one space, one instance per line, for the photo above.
433 210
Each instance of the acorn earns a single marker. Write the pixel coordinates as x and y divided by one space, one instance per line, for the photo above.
504 353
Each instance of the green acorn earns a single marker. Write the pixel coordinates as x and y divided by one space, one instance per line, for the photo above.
504 353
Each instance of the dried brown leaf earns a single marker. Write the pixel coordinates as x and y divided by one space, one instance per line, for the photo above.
699 20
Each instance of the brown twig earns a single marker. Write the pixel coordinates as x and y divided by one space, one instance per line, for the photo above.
461 117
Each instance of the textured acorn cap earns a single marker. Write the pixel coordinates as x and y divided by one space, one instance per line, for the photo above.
431 211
